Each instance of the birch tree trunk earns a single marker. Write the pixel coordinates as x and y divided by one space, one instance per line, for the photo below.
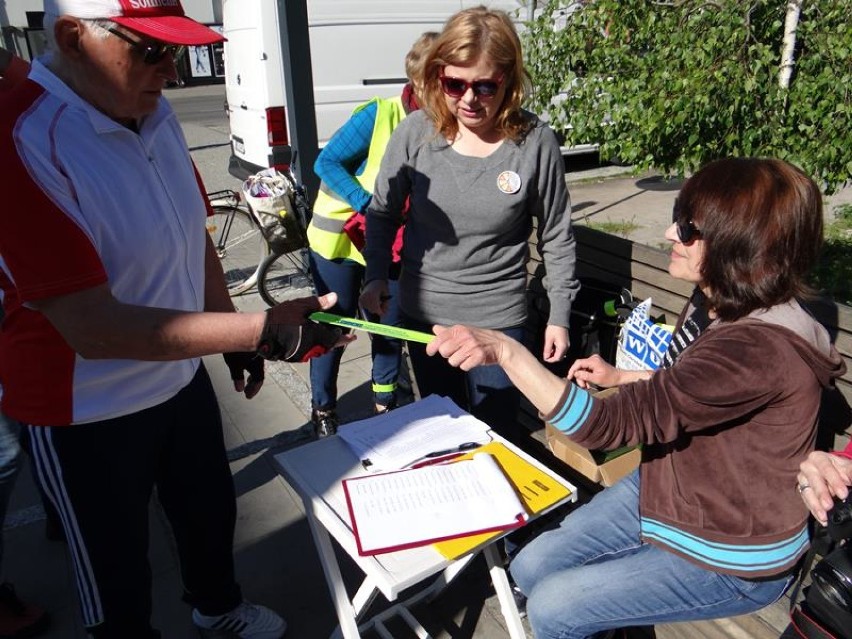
791 22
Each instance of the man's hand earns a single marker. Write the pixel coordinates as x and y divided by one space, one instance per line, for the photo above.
238 363
288 334
823 476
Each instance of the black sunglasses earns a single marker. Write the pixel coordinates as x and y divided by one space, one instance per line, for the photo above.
686 231
151 50
456 87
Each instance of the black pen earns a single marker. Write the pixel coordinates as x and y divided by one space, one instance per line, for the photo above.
458 449
461 448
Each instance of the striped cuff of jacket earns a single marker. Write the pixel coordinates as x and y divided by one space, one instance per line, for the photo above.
573 410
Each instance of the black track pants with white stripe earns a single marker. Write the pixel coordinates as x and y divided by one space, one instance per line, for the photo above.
101 477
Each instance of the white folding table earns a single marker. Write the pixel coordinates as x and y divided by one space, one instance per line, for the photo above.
315 471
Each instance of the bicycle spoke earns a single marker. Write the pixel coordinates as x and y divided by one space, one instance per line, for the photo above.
284 277
239 245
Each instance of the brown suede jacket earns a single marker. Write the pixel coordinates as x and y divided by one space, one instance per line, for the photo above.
723 432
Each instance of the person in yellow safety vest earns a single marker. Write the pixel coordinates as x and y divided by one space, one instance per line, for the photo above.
348 166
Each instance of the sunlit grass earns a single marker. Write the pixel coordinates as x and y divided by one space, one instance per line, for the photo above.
622 228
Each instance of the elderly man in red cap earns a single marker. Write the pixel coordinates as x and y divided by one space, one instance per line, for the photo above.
113 292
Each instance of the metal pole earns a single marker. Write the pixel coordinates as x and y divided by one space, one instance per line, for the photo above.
299 90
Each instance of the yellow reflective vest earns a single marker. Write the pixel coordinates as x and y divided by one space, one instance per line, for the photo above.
330 212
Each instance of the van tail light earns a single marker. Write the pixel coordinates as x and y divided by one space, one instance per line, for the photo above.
276 126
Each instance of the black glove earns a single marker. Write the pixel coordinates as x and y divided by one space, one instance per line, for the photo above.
249 362
288 334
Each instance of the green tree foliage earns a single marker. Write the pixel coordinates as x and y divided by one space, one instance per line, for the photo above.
672 85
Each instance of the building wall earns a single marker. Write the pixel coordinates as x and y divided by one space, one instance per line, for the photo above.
13 13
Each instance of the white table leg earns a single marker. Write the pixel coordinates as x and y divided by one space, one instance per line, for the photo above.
364 597
345 611
504 592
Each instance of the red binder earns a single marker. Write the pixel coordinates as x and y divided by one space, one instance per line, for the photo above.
419 506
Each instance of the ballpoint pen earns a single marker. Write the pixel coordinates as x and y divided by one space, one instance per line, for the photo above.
437 456
431 461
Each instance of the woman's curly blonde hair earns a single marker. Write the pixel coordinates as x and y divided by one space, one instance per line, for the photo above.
467 36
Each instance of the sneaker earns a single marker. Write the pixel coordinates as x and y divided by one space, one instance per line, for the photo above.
381 409
19 619
325 422
246 621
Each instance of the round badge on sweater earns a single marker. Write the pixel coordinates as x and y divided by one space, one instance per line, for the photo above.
509 182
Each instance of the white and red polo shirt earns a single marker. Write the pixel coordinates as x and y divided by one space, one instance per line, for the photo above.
87 202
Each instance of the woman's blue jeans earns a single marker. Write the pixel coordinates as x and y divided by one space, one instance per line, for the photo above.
593 574
344 277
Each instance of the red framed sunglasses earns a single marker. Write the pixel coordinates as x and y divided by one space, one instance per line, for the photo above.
456 87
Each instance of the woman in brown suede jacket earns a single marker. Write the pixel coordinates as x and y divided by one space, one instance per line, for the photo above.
710 525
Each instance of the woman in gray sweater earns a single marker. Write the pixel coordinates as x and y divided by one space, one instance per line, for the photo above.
476 170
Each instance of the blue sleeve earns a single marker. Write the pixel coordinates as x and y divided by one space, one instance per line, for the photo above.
345 155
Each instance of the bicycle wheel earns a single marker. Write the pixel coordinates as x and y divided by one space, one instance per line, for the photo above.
283 277
239 245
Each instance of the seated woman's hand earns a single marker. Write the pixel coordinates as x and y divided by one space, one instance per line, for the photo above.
594 370
823 476
466 347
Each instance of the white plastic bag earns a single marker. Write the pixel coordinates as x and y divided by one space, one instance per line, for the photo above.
271 195
642 343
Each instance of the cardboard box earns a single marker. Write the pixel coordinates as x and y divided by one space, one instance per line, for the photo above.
604 471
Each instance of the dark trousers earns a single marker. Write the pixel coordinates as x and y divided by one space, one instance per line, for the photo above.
486 392
345 277
101 476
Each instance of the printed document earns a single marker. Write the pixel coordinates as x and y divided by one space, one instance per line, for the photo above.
392 511
394 440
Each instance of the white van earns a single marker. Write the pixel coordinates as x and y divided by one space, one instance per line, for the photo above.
357 49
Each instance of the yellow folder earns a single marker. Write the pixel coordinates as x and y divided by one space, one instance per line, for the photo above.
537 489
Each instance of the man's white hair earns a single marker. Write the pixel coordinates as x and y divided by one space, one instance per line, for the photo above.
98 28
83 8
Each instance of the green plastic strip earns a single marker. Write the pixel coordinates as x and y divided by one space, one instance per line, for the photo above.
372 327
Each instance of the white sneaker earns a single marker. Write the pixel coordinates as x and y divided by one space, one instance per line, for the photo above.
246 621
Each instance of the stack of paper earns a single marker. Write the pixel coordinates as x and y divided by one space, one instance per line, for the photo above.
408 434
538 490
392 511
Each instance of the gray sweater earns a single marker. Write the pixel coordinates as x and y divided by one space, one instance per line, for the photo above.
465 245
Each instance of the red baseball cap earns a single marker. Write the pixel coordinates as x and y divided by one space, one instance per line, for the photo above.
162 20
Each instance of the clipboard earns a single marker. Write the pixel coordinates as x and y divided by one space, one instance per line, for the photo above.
372 327
537 489
416 507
